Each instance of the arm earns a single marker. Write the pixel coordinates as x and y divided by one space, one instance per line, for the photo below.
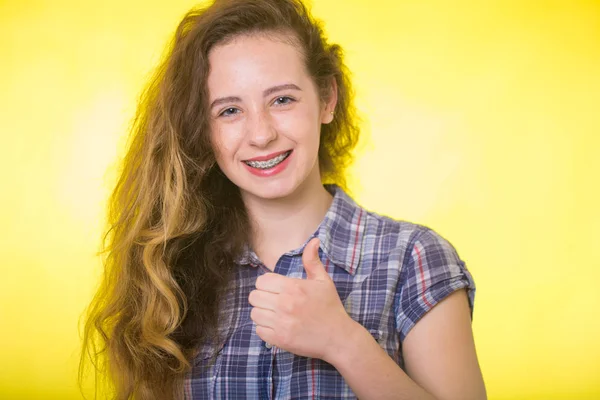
439 355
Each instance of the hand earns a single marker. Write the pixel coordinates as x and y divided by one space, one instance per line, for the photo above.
304 317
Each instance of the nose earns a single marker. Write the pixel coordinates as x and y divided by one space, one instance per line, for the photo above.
261 131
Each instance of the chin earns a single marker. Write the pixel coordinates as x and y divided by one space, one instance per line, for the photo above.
270 190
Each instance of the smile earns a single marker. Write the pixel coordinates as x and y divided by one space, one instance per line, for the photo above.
269 163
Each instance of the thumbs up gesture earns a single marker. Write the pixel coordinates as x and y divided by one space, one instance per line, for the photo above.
303 316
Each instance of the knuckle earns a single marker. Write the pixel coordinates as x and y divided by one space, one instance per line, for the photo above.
254 296
287 306
285 333
283 338
284 285
284 342
295 286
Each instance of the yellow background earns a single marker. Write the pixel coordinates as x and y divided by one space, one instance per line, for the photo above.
482 121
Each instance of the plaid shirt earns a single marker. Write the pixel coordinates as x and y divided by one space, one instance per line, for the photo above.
388 274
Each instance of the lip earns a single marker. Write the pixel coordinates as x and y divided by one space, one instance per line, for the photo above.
268 156
279 168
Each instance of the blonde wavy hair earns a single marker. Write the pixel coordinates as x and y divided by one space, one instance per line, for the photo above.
175 223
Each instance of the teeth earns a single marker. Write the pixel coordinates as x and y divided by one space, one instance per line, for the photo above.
269 163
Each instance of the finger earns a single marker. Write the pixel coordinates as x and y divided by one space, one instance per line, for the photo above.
312 264
263 317
271 282
262 299
266 334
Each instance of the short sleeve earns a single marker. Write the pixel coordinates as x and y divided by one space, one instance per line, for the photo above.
431 271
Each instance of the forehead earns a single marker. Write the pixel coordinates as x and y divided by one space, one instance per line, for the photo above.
254 61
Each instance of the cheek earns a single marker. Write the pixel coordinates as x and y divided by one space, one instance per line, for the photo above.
216 146
221 156
223 144
304 128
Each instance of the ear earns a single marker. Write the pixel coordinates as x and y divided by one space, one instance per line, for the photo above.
329 106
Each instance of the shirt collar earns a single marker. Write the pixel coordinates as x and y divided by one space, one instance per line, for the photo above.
342 230
341 233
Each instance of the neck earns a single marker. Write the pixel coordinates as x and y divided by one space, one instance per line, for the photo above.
281 225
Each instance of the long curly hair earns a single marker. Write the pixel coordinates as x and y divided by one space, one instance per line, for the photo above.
175 223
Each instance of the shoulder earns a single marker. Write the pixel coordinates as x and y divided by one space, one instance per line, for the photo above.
381 241
425 259
421 264
413 245
401 238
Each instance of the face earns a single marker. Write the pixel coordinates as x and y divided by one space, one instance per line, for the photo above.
266 116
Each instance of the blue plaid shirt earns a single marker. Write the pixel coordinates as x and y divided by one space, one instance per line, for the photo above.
388 274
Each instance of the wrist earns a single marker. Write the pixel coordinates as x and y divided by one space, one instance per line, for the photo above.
345 342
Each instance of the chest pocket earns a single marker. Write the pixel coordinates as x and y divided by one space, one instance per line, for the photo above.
207 363
206 358
210 355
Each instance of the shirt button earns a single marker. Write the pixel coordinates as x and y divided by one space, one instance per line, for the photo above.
268 345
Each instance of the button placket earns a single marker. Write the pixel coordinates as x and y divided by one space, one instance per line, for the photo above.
273 366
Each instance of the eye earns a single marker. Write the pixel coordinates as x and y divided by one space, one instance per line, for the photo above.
283 100
229 112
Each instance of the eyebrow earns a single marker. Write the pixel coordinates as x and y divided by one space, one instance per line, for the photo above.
271 90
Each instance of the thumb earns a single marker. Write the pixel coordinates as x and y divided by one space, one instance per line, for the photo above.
312 264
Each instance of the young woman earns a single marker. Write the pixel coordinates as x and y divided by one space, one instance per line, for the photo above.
237 264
